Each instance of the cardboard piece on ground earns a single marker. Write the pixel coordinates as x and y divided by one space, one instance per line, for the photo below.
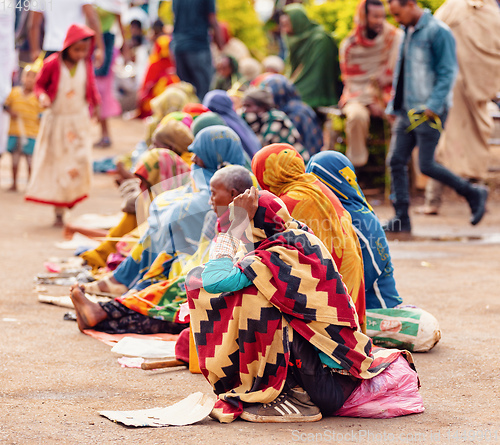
113 339
97 221
58 265
145 348
77 241
65 301
192 409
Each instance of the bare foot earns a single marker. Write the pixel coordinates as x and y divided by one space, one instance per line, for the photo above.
88 313
13 188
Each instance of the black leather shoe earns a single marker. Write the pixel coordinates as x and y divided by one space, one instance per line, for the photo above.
398 225
477 202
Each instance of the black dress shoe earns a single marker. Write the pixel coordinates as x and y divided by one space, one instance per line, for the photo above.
397 225
477 202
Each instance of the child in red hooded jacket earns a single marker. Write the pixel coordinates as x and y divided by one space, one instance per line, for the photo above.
65 86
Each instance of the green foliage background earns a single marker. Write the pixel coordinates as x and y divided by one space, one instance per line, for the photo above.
337 16
245 24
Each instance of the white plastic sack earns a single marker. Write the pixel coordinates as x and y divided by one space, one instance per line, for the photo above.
403 327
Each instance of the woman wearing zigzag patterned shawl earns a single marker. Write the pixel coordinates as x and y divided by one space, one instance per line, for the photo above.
288 292
281 170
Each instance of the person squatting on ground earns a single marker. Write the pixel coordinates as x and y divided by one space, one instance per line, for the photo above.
62 162
426 72
276 332
367 59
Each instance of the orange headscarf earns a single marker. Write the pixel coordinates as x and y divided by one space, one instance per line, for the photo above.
280 169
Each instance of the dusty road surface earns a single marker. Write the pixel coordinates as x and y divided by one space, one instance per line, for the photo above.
54 379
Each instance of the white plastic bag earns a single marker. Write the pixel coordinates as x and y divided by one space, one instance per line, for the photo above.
403 327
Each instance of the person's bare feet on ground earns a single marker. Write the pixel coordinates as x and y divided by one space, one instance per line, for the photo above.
88 313
12 188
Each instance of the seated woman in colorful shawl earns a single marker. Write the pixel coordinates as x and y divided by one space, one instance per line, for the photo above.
158 170
174 132
206 120
176 217
281 170
304 118
276 332
172 100
219 102
270 125
313 57
337 172
158 307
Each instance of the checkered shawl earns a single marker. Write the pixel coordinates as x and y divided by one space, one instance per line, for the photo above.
242 337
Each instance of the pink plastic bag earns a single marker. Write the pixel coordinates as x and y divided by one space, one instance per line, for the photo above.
392 393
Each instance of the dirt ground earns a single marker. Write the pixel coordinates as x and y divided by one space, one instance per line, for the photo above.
54 379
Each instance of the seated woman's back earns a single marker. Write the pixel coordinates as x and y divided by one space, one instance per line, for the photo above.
281 170
337 172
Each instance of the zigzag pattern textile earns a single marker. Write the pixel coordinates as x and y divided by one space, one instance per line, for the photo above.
242 337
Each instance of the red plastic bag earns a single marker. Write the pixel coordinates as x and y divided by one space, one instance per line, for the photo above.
392 393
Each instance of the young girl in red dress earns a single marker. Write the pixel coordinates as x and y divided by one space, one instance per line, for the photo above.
65 86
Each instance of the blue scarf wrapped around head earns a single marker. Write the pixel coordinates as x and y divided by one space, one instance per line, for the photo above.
219 102
337 172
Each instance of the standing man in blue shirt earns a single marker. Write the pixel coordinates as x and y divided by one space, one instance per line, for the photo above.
422 87
191 42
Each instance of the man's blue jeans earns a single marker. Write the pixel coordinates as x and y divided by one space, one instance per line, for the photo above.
402 144
195 68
